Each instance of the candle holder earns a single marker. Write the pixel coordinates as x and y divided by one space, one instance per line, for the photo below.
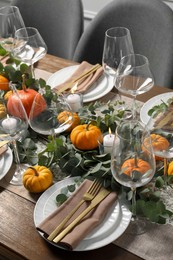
105 144
75 101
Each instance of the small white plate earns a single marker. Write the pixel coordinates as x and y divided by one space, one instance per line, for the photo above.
113 226
99 89
151 103
6 159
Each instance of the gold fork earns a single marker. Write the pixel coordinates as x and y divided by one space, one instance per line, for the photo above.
88 196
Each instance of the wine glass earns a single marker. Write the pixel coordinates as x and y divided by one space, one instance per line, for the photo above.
13 124
50 117
117 43
10 21
134 77
132 163
29 46
162 140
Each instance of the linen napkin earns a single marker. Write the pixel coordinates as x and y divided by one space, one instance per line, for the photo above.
85 84
91 220
3 147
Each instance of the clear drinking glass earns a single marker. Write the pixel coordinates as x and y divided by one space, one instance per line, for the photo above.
29 46
46 117
132 163
10 21
134 77
117 43
13 124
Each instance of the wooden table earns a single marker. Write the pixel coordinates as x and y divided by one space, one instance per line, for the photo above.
18 236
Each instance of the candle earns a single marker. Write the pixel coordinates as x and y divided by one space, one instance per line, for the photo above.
108 142
9 124
74 101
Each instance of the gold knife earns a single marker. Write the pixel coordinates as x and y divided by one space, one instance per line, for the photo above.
101 195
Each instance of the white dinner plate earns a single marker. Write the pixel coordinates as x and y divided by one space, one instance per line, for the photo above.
6 160
99 89
113 226
151 103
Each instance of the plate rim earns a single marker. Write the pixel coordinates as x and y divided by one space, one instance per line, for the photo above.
7 156
123 222
85 99
152 100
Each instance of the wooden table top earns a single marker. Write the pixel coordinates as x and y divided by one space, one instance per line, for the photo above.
19 238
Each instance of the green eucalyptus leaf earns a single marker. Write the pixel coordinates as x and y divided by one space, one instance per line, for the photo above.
159 182
61 198
23 68
71 188
96 168
29 144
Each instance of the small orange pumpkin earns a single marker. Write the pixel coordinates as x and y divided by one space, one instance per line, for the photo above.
3 111
4 83
170 168
37 178
85 137
8 94
63 116
158 142
131 165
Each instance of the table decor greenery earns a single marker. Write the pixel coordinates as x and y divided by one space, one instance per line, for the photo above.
66 160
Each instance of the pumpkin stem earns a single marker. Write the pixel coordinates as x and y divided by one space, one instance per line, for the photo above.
35 172
23 82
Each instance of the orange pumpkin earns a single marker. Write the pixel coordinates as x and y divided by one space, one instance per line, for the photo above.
4 83
85 137
63 116
27 97
131 165
8 94
37 178
170 168
158 142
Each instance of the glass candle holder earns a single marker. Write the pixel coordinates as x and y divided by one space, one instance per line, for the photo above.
106 145
75 101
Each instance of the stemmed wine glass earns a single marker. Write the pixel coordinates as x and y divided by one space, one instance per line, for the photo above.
162 140
10 21
13 124
50 117
28 46
117 43
132 163
134 77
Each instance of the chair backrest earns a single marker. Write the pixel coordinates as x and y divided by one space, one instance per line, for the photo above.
151 26
60 23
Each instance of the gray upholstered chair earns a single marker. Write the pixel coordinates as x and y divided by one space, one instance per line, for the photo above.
60 22
151 25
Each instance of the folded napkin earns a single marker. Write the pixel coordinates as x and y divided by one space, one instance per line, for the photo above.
3 146
87 82
91 220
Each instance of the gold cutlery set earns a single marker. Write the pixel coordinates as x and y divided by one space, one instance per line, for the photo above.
95 194
78 79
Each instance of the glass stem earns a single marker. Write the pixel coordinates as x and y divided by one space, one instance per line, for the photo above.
16 154
32 70
133 202
166 171
134 107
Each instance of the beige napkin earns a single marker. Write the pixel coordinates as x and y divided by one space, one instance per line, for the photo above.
94 218
87 82
3 146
